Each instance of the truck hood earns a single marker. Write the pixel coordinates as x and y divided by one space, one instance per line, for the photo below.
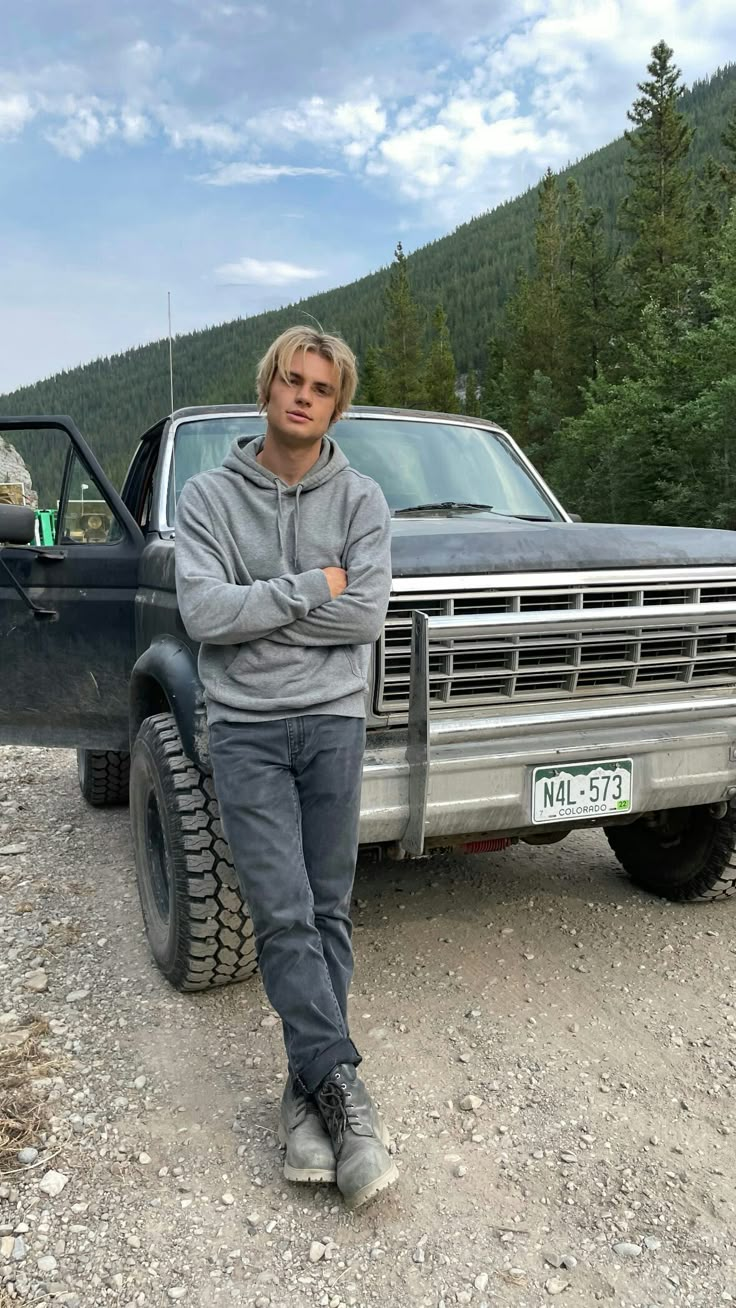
454 546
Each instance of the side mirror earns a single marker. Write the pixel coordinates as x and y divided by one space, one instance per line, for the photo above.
575 517
17 525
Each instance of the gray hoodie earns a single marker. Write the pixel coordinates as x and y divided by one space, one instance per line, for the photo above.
249 557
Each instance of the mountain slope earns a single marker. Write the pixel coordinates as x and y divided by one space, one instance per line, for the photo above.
472 271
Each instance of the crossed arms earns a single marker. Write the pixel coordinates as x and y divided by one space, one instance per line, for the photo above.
297 608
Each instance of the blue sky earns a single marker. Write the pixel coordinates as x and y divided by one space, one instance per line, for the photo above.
245 154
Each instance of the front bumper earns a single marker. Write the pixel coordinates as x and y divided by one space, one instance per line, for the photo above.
455 776
478 778
450 776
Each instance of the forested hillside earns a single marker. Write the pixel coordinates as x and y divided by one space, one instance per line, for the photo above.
537 300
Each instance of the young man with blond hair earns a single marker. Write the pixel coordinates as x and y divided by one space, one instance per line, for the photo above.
283 574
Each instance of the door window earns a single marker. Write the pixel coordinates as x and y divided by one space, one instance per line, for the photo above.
86 517
41 469
32 472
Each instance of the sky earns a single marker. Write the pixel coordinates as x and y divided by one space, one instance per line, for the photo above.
242 155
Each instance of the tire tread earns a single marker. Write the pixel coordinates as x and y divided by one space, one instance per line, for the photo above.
215 944
104 777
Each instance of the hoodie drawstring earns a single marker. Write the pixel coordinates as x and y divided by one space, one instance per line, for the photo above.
280 524
279 511
297 497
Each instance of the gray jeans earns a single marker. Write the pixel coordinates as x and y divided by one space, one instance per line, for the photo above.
289 797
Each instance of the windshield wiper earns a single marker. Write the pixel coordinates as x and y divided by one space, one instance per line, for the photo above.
523 517
444 504
462 506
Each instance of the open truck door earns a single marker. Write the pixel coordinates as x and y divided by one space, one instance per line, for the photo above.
67 591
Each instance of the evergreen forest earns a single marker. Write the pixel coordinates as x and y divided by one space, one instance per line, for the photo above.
593 316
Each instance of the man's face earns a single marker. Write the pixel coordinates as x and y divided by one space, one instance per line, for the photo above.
300 411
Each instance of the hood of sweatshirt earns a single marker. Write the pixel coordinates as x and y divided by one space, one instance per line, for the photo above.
242 459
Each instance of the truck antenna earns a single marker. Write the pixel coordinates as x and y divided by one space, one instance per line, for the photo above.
171 358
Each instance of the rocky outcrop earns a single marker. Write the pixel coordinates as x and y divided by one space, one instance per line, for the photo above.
13 472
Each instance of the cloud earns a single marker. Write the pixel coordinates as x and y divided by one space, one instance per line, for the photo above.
451 108
263 272
87 126
452 154
216 137
452 149
351 125
249 174
134 127
15 111
80 107
140 64
438 148
77 124
547 83
80 124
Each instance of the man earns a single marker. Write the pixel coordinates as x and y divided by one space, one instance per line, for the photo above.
283 575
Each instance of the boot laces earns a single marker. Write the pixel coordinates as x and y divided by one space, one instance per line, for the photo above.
337 1108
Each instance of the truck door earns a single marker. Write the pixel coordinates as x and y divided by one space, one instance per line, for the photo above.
67 596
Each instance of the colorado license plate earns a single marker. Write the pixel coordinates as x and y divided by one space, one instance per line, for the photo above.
582 790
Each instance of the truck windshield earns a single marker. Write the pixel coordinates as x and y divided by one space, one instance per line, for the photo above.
415 461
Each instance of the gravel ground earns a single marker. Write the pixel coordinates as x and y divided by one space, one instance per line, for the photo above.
554 1051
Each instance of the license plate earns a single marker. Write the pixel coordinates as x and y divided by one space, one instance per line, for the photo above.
582 790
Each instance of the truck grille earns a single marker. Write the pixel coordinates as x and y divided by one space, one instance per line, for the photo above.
520 668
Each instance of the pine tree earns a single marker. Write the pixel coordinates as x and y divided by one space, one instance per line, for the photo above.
545 412
709 215
656 211
710 209
588 302
493 387
537 337
704 428
441 376
472 395
373 378
619 460
728 169
402 352
549 239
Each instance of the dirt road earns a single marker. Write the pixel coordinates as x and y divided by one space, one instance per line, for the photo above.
593 1028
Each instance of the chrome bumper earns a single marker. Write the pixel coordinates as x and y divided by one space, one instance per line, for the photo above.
465 775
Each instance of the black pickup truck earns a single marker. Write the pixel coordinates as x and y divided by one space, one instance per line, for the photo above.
535 674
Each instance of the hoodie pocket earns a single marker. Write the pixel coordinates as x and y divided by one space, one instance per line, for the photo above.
266 674
360 673
265 662
358 666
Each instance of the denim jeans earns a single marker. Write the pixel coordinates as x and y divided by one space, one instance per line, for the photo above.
289 797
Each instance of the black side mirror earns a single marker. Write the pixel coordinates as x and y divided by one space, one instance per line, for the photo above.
575 517
17 525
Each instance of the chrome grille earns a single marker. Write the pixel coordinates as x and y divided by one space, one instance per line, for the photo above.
531 667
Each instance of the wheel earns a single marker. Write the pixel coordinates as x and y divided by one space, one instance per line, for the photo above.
103 776
198 927
681 853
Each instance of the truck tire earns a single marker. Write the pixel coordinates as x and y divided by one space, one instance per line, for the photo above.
680 854
104 776
198 927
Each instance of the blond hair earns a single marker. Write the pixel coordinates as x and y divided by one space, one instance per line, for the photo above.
279 357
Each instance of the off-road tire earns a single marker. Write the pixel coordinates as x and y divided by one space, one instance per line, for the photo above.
198 927
104 776
683 854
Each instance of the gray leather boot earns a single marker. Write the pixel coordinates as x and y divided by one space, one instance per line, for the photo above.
359 1137
309 1152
